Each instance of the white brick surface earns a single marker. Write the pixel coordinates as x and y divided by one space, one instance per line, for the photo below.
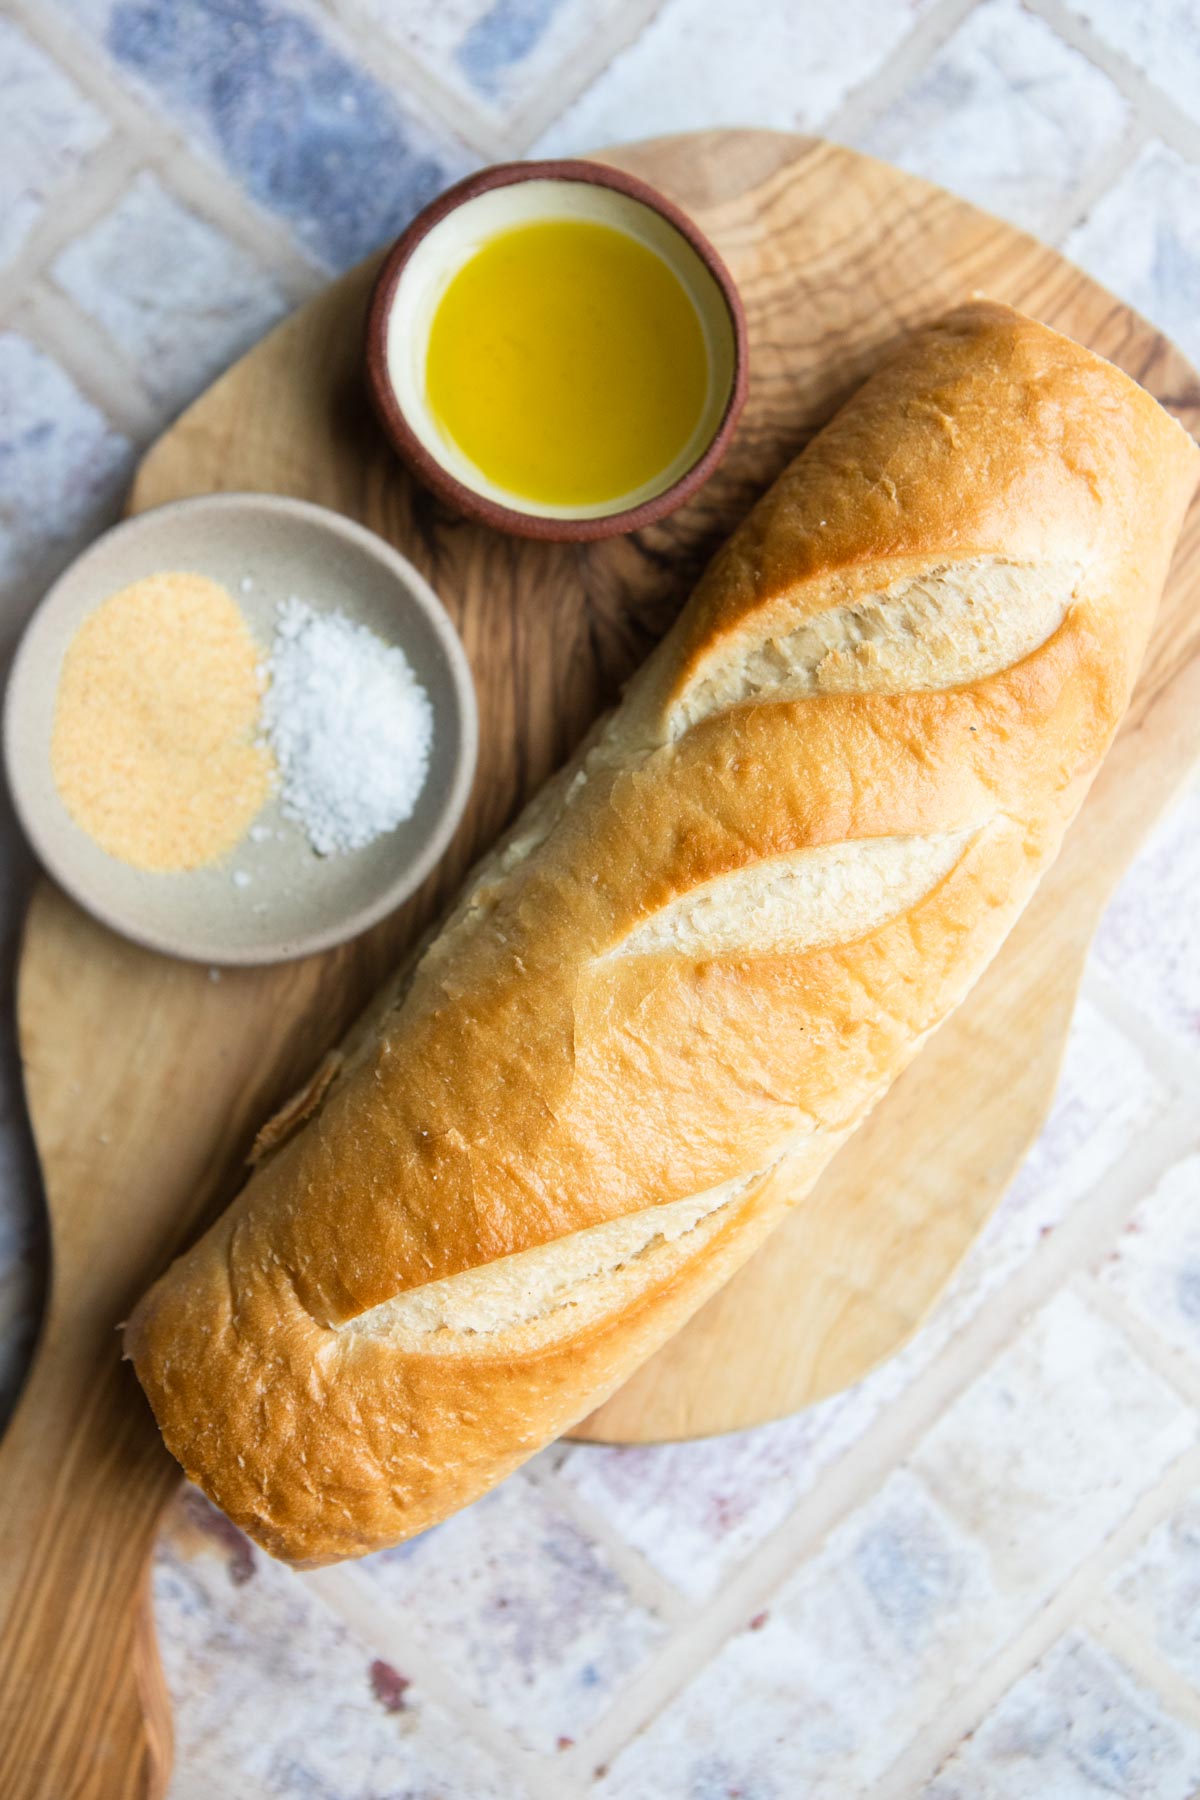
1142 239
524 1611
1158 1588
815 1698
62 468
1160 38
273 98
1079 1726
495 58
1024 1476
1005 114
235 1627
177 297
1047 1451
696 1510
1146 944
1155 1265
47 128
701 63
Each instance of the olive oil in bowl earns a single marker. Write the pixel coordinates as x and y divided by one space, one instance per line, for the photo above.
557 351
567 363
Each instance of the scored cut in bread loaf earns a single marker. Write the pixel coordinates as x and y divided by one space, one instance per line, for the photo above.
702 954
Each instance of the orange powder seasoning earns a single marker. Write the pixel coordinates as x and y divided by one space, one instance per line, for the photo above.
154 747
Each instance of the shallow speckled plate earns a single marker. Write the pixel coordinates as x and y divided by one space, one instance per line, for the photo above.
295 902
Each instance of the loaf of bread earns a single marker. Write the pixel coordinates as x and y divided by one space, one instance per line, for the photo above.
699 958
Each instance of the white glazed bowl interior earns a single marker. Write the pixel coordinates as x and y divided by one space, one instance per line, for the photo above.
465 230
295 901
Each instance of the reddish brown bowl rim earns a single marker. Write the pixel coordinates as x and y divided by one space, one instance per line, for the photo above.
435 476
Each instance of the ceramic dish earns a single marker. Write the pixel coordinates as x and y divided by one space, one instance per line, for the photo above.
417 272
263 549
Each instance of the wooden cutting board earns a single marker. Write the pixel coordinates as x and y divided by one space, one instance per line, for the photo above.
147 1078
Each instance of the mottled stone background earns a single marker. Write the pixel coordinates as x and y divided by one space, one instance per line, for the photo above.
975 1577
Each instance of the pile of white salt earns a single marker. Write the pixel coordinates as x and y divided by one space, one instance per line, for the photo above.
349 725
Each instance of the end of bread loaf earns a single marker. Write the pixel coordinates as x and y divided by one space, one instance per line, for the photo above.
697 960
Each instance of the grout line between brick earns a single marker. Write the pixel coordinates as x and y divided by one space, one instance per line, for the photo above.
1118 1632
644 1582
95 364
1104 173
191 169
72 210
46 565
1175 1063
406 70
1173 1365
962 1713
867 102
1156 111
345 1593
613 31
197 183
1072 1247
420 89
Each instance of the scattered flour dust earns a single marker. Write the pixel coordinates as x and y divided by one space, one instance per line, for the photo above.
349 725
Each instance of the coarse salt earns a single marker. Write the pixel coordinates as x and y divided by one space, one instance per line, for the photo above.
349 725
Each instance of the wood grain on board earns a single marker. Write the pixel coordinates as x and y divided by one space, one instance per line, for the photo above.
146 1078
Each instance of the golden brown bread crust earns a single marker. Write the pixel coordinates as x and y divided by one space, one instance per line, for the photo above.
543 1075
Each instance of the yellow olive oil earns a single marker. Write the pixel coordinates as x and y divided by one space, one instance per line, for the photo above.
567 362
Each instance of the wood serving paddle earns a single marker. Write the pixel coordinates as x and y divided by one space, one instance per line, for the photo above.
147 1078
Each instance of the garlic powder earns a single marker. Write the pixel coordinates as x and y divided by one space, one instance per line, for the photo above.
155 747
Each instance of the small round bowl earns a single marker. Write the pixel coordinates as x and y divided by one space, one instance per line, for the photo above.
287 901
423 262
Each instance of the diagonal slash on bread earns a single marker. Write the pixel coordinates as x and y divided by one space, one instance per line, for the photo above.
699 958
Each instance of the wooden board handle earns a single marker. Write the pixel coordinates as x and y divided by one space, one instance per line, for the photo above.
84 1711
136 1141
